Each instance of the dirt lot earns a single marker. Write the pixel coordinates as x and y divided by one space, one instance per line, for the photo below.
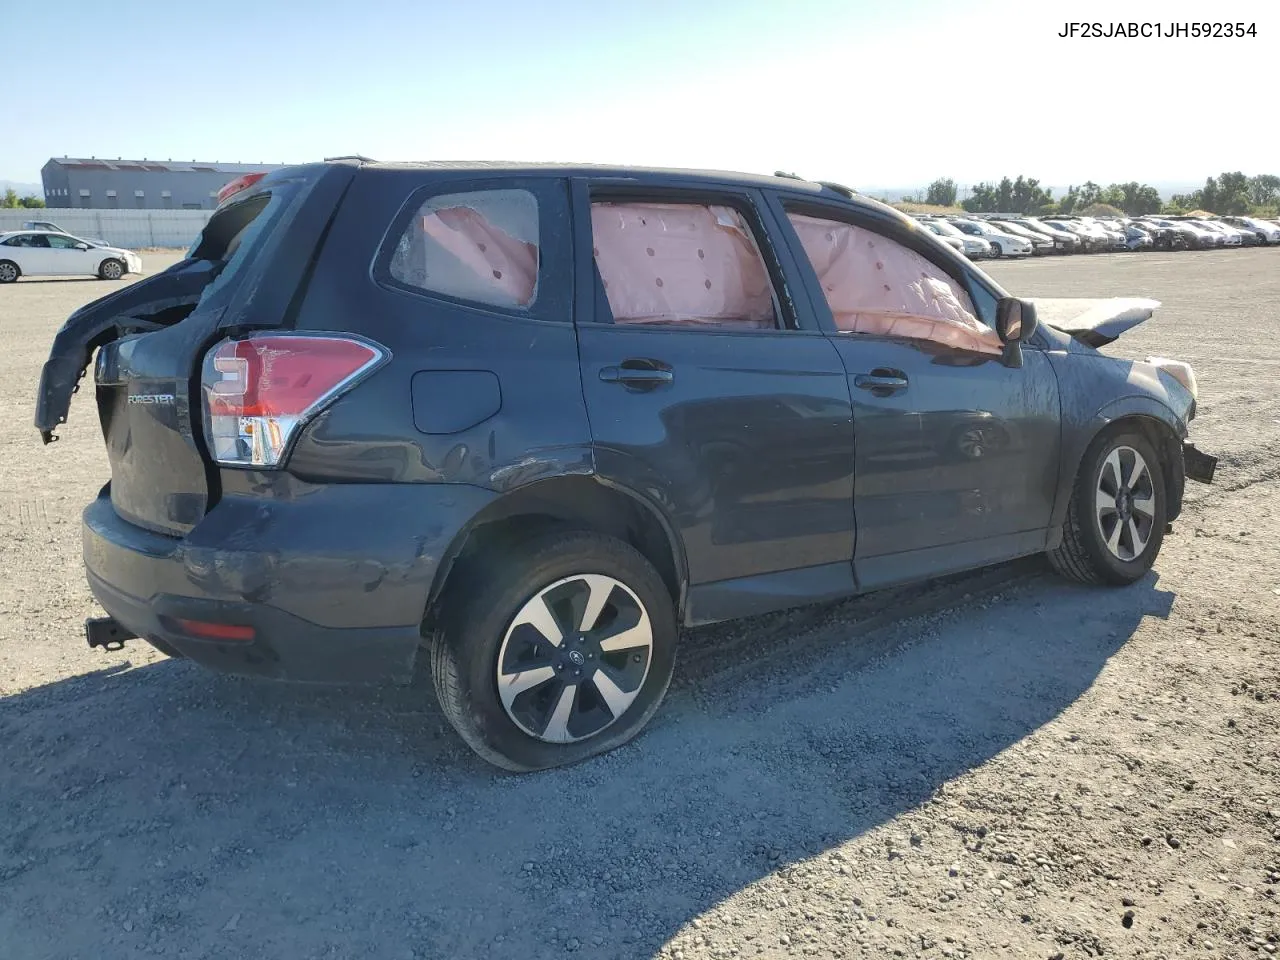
1001 765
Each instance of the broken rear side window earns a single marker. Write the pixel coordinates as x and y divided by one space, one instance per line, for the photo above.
481 246
686 264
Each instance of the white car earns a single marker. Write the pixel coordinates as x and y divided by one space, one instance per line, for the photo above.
49 227
41 253
955 243
972 247
1002 244
1265 227
1231 236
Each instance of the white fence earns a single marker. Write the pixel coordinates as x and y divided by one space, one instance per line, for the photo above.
131 229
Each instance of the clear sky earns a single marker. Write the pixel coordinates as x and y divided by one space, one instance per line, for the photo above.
891 93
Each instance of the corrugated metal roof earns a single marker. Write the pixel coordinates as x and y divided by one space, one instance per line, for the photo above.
167 166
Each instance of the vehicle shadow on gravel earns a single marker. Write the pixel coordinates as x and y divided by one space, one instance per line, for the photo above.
167 807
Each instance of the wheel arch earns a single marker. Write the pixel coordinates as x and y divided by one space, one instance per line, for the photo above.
569 502
1156 421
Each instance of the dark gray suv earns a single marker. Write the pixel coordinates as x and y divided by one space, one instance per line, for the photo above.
528 421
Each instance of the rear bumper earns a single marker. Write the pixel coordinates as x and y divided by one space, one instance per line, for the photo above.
333 585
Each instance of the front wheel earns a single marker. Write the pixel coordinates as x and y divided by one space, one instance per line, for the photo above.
995 250
111 270
1116 519
555 652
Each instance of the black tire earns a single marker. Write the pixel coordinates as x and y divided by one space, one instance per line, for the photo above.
1083 554
478 614
996 251
9 271
111 269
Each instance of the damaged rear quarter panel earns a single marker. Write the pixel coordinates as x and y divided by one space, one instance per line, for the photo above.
104 320
506 367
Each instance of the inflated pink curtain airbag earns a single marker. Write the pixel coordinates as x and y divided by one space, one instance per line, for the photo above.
500 260
876 286
680 263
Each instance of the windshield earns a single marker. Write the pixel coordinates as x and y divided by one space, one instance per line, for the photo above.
944 228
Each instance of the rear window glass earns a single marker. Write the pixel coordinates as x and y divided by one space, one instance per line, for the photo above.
233 233
481 246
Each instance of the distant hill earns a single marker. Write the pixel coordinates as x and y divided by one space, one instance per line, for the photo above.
22 189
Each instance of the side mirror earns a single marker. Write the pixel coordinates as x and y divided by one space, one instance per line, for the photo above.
82 246
1015 324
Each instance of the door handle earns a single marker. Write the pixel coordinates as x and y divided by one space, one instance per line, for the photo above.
638 373
882 382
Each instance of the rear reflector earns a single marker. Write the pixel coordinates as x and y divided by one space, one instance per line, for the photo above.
259 391
238 184
215 631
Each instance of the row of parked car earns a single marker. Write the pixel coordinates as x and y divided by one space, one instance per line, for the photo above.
979 236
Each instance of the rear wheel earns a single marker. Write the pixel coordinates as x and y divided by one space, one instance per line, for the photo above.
554 653
1116 520
111 270
9 271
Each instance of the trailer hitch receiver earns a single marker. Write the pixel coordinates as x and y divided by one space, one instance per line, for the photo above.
107 633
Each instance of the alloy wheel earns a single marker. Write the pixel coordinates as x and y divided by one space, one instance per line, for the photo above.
8 273
574 658
112 270
1125 503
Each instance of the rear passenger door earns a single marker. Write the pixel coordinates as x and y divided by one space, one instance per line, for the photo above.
712 395
956 453
37 258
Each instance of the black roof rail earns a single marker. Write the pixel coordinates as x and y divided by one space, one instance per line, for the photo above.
350 156
839 188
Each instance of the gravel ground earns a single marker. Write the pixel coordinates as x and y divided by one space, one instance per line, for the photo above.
1001 764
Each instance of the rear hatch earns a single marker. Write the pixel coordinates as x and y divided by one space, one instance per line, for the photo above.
246 271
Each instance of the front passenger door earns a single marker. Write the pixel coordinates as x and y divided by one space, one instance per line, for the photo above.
956 454
67 259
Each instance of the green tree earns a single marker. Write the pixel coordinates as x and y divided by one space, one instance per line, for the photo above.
1090 193
1264 191
1133 198
942 192
1027 196
1023 195
981 200
31 202
10 199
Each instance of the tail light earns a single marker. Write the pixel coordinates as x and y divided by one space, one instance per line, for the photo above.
259 391
238 184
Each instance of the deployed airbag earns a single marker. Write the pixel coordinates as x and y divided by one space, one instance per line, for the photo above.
681 263
876 286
